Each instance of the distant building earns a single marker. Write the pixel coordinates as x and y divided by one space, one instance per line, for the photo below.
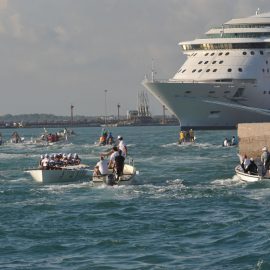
132 115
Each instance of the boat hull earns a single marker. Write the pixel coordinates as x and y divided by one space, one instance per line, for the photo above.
127 177
194 105
66 174
247 177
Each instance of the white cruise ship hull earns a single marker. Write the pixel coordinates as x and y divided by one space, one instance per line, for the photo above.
197 104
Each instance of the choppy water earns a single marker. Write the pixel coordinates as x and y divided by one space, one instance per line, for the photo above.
186 209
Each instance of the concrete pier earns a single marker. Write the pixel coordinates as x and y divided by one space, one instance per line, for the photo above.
252 138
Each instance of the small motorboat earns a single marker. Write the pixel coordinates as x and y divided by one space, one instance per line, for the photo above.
111 179
15 138
250 178
70 173
186 137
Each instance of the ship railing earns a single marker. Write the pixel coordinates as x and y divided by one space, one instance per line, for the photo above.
225 81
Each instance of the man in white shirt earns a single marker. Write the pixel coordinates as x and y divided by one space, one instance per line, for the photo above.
122 146
102 166
45 162
112 153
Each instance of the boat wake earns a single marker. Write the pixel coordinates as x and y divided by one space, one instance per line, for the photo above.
234 181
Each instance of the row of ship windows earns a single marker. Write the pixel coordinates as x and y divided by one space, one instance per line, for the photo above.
208 70
220 62
215 70
227 53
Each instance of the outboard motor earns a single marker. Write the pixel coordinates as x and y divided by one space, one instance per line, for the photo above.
110 180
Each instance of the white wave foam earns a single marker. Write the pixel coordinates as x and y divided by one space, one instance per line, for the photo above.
169 145
12 156
228 182
61 188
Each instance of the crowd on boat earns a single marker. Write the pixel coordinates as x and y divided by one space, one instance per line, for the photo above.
51 137
56 136
57 161
116 161
106 137
186 136
230 142
258 166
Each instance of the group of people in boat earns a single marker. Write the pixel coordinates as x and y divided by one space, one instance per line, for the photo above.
186 136
116 161
229 142
259 166
15 137
106 137
57 136
51 137
57 161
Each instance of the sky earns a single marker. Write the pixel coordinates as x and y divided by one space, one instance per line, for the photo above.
55 53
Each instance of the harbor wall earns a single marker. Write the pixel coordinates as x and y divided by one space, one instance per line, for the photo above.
252 138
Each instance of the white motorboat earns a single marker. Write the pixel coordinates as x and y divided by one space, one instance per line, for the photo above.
249 177
71 173
129 173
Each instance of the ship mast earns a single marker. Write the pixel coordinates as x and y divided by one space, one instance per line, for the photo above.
153 71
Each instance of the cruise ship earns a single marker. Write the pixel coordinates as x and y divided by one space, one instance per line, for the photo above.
225 79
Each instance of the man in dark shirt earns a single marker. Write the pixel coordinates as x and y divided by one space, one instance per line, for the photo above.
119 164
251 168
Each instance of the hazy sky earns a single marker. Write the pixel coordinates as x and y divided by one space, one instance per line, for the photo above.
55 53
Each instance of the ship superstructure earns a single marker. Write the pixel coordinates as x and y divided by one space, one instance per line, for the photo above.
225 79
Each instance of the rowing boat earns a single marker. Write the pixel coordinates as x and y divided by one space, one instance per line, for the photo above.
63 174
250 178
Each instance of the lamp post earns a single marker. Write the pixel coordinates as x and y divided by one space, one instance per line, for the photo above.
71 113
164 114
118 108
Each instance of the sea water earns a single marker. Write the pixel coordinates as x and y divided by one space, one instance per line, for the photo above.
185 210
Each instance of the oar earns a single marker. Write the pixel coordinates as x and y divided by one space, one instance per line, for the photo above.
240 158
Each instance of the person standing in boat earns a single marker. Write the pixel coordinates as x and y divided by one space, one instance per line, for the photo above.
191 135
181 137
265 159
233 141
122 146
45 162
226 143
119 164
245 163
110 139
